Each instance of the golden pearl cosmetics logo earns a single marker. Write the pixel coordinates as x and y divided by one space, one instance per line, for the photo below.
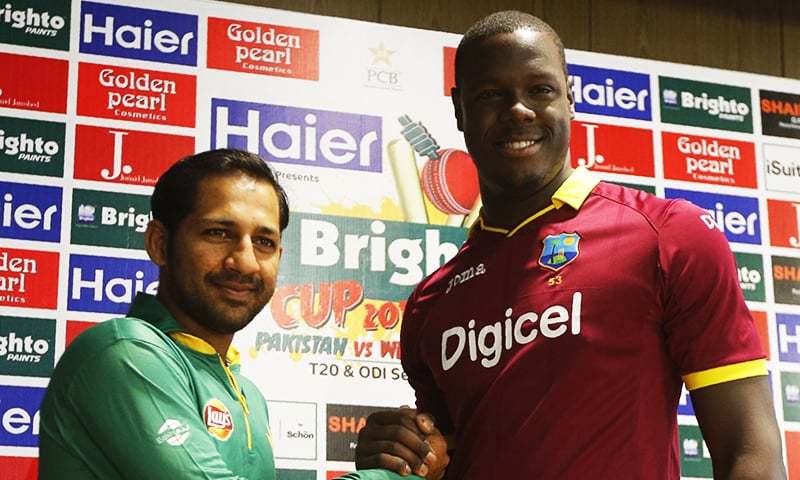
218 419
35 23
28 278
720 161
780 114
263 49
33 83
136 95
612 149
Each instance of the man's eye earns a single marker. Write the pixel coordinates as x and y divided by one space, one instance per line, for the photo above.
488 94
217 233
264 242
542 89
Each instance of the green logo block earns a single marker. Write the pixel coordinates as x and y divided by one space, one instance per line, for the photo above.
109 219
750 267
709 105
27 346
790 393
35 23
31 146
386 258
286 474
695 459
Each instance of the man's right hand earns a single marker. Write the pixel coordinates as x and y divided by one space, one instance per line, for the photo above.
404 442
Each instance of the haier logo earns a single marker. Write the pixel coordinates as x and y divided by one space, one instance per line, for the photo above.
26 346
736 217
107 284
30 212
616 93
19 416
138 33
788 337
109 219
299 136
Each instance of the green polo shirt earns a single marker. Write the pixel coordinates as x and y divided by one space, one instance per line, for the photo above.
138 398
376 475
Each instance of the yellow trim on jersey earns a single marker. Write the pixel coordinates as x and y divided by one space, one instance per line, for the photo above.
572 192
725 373
199 345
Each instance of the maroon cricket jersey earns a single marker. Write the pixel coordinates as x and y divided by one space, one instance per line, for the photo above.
557 350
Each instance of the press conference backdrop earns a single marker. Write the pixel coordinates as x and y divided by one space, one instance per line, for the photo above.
98 98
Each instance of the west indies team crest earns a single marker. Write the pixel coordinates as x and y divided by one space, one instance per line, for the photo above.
559 250
218 419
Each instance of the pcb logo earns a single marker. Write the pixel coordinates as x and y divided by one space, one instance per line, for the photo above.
559 250
219 421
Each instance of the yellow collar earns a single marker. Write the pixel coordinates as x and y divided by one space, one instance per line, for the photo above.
572 192
199 345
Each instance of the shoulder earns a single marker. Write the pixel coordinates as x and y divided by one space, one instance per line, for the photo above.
654 210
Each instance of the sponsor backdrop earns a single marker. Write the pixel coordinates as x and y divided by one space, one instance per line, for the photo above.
98 98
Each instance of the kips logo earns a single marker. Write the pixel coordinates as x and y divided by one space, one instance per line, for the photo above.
19 416
31 146
26 346
138 33
136 95
702 104
784 223
28 278
261 48
780 114
301 136
709 160
786 279
35 23
108 284
126 156
604 91
34 83
612 149
30 212
735 216
782 164
218 419
109 219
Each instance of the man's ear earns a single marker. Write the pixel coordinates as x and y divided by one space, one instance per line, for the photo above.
156 239
570 99
455 96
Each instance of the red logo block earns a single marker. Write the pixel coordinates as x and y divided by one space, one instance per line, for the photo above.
28 278
33 83
449 69
19 468
612 149
263 49
126 156
136 95
709 160
784 223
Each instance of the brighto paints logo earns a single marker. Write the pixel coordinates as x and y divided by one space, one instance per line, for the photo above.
32 21
28 147
617 93
27 349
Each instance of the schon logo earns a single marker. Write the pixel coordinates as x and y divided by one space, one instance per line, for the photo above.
219 421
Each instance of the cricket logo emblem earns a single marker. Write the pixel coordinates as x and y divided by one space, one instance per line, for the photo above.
218 419
558 251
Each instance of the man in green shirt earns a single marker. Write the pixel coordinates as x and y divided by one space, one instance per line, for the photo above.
158 394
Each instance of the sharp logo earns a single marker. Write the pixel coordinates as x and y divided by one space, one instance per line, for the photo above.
19 416
107 284
737 217
298 135
709 160
30 212
780 114
138 33
786 279
703 104
616 93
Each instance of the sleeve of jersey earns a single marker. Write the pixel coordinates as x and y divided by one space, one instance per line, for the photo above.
135 399
709 331
429 397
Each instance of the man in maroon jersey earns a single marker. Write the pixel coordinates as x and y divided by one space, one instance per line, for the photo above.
554 345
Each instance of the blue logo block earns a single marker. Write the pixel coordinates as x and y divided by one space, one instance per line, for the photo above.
19 416
737 217
300 136
138 33
685 406
788 337
30 212
108 284
603 91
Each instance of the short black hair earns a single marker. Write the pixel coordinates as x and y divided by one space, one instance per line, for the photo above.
175 194
497 23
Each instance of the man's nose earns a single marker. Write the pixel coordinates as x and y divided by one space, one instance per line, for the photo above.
243 257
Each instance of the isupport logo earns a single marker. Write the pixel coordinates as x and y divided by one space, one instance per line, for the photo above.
736 217
32 146
299 136
604 91
265 49
28 278
26 346
108 284
783 167
138 33
709 160
35 23
19 416
30 212
109 219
